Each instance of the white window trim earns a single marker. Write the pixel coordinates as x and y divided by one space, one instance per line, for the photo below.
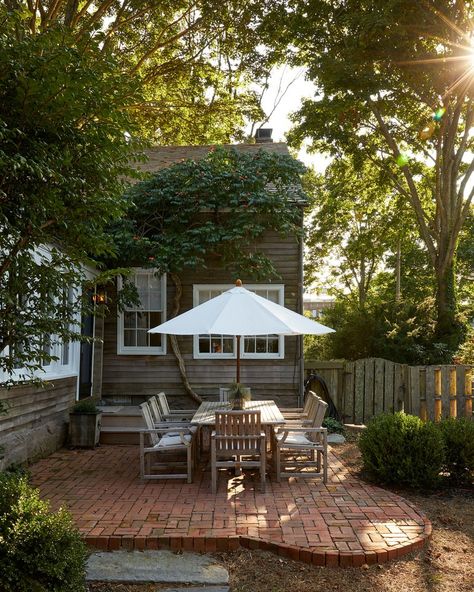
124 350
243 355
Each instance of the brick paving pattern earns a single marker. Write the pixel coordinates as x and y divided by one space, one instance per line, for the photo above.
345 522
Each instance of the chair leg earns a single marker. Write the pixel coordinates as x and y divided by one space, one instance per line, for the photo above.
263 452
278 463
142 456
189 456
213 466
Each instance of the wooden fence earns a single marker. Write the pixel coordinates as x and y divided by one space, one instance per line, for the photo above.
368 387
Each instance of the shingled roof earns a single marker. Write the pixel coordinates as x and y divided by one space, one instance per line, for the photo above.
161 157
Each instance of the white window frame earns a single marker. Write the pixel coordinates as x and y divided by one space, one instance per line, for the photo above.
280 288
127 350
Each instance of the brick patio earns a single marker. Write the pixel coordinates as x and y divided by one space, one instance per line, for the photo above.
346 522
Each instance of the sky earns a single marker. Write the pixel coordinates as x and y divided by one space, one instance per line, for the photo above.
291 82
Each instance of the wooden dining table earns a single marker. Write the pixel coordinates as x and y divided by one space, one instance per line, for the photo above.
206 413
205 417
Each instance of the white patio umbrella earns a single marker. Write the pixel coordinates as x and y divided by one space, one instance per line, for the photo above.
240 312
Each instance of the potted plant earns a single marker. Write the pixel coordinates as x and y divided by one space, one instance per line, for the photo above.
239 395
84 424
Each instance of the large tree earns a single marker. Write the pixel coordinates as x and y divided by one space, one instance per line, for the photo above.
66 144
395 82
198 61
214 210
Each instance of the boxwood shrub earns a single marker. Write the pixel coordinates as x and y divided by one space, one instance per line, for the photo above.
40 550
458 436
401 449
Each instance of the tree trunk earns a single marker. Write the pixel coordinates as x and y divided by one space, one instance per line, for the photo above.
398 272
174 341
448 328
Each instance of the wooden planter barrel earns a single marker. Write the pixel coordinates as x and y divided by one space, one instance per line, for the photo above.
84 429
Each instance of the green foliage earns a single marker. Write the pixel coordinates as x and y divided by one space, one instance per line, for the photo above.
198 62
40 551
86 406
333 426
393 89
458 436
212 211
64 112
402 450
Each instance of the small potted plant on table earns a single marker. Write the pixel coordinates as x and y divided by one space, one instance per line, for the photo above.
239 395
84 424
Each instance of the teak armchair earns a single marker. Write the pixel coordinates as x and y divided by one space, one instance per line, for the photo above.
164 438
238 434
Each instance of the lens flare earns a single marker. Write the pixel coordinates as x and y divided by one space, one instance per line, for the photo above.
402 159
438 114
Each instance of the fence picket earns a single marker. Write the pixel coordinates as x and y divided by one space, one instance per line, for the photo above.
359 384
367 387
379 371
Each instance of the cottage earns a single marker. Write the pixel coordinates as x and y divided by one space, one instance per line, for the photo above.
127 364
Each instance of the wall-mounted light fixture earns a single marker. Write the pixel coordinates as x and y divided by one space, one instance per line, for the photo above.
99 296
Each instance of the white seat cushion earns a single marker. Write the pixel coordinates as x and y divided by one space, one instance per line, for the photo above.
190 428
172 440
295 439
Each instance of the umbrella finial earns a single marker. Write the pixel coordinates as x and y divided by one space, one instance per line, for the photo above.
238 283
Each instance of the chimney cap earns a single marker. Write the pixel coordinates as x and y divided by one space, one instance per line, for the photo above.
263 135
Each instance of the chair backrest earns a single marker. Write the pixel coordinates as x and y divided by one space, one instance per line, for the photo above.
149 423
309 402
155 410
319 413
163 402
238 431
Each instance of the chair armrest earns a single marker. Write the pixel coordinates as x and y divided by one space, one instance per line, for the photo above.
165 428
301 429
291 409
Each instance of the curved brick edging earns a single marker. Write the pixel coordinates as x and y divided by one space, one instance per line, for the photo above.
346 522
329 558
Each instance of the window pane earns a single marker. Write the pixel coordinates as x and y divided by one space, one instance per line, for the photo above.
65 353
129 338
155 339
228 345
142 320
273 345
272 295
142 338
129 320
249 345
204 344
155 319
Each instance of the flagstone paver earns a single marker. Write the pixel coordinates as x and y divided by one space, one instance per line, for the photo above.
346 522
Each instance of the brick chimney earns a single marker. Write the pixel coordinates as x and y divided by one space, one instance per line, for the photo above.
263 135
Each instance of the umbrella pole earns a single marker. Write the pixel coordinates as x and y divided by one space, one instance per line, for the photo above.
238 359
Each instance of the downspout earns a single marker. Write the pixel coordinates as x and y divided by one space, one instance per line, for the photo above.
300 347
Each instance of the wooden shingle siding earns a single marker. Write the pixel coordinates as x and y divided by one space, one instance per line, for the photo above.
36 422
269 379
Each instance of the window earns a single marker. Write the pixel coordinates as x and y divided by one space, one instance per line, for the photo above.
251 346
135 321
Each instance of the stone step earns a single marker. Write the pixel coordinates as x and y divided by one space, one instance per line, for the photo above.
158 567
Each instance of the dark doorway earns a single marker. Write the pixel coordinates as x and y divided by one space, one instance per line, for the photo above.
85 364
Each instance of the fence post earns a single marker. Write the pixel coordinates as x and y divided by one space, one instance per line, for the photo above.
452 393
468 394
437 375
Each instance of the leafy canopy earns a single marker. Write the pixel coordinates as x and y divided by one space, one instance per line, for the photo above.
217 207
66 143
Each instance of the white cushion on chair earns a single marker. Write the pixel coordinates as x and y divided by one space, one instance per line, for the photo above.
295 439
172 440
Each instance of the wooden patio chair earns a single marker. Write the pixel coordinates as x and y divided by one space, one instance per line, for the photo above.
238 434
300 413
165 438
302 447
172 414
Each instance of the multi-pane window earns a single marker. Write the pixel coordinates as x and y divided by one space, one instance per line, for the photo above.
137 319
225 346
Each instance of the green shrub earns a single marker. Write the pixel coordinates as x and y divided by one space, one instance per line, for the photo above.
334 426
86 406
402 449
458 436
40 551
